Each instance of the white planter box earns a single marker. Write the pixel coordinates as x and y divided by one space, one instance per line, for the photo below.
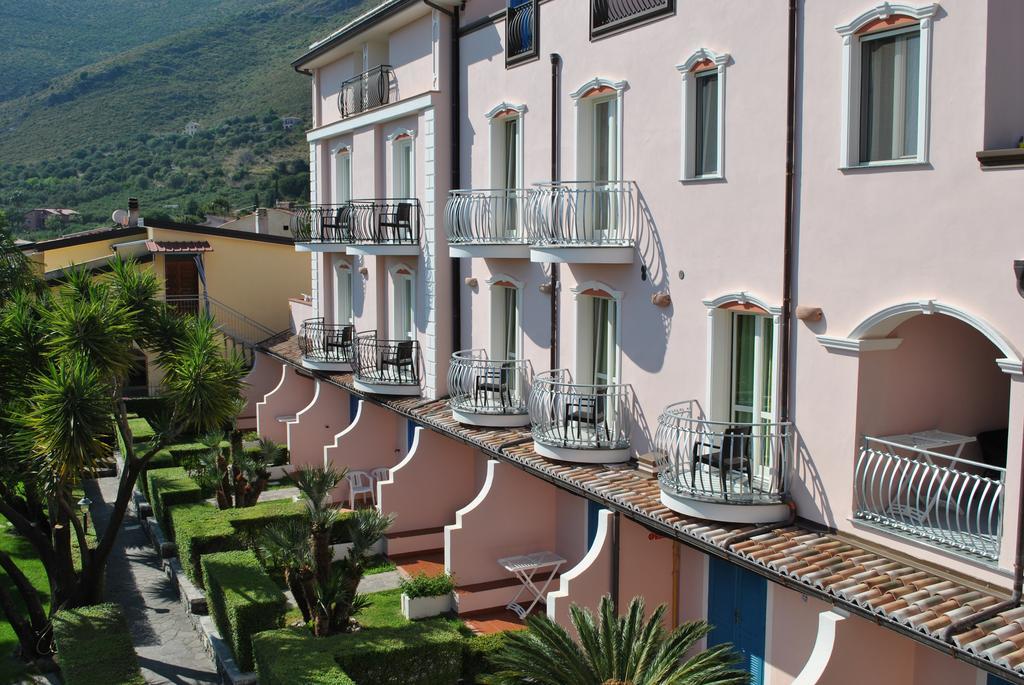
425 607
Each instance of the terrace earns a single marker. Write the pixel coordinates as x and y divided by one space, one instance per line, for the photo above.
326 346
489 392
584 222
487 223
389 226
386 367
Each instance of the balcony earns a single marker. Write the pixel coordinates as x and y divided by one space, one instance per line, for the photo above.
489 392
609 16
388 226
521 44
487 223
367 91
584 222
937 498
722 471
326 346
386 367
577 422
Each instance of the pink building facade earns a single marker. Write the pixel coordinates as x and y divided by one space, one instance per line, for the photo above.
711 303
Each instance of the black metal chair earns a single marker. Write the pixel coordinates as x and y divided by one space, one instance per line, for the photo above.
338 344
398 223
732 455
340 224
495 381
589 410
400 358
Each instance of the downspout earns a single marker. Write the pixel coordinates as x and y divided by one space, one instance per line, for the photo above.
556 63
788 237
455 87
615 560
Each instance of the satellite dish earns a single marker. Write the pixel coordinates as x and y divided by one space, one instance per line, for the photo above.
120 217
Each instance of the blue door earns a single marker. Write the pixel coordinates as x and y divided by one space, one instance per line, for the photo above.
593 509
737 602
353 407
995 680
410 433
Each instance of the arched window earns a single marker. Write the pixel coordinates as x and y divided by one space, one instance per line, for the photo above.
703 115
506 317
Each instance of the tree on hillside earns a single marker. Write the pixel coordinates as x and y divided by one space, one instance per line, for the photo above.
65 356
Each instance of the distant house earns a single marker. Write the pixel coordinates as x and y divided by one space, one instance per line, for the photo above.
277 221
290 122
191 128
36 219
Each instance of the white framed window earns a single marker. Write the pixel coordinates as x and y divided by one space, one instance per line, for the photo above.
343 292
506 142
506 317
403 310
886 86
403 164
342 175
599 130
702 154
598 334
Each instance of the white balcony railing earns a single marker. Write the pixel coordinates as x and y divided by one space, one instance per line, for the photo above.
728 462
580 416
943 499
487 217
479 385
584 213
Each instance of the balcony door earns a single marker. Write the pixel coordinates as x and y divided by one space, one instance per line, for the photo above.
598 362
505 322
402 180
752 345
181 282
510 176
404 316
604 169
343 177
342 292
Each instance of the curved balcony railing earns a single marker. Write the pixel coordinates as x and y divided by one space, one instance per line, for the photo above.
326 342
610 15
718 461
386 362
487 217
390 221
948 500
520 31
584 416
478 385
584 213
366 91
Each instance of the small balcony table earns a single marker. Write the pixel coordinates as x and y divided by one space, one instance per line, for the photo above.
524 568
932 440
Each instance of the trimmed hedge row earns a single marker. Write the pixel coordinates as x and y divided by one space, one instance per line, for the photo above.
169 487
95 648
477 655
141 430
243 600
292 655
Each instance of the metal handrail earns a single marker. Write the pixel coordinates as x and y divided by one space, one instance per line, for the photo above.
609 15
231 322
366 91
520 31
723 461
584 213
955 502
479 385
385 221
495 217
580 415
326 342
386 362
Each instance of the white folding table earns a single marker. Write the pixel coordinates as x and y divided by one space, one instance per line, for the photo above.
524 568
932 440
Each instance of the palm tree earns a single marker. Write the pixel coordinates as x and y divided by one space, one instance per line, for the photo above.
285 545
366 527
316 485
613 650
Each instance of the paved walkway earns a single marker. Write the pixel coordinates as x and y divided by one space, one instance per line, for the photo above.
168 648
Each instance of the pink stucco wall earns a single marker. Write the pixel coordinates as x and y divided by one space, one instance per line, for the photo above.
291 394
261 379
369 442
316 425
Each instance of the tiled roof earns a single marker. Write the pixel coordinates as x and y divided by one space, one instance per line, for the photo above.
180 246
899 595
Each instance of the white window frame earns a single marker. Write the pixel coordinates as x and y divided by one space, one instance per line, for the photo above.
343 269
584 103
397 281
585 343
497 283
497 118
337 154
850 124
688 117
398 140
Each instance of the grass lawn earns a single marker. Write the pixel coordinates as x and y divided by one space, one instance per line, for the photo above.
11 668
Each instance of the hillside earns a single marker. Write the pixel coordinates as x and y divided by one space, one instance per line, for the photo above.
90 135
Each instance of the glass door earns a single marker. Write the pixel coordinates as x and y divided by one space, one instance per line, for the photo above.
510 209
604 172
342 293
343 184
406 310
403 186
752 384
507 311
605 366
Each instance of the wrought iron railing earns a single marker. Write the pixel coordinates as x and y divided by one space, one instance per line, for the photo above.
584 213
944 499
366 91
326 342
386 362
478 385
389 221
231 322
579 415
521 36
495 217
718 461
610 15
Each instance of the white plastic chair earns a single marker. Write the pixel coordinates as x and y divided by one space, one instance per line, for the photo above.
378 474
359 483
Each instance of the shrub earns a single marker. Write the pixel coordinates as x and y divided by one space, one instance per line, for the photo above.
198 530
422 585
416 654
169 487
147 407
243 600
94 647
187 454
292 655
477 654
141 430
281 456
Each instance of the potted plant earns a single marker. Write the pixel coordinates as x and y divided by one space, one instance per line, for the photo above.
424 596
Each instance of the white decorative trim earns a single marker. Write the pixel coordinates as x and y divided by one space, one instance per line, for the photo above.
596 285
598 82
461 513
505 107
1014 367
516 283
597 548
849 152
743 297
864 345
688 119
380 115
435 45
398 132
824 646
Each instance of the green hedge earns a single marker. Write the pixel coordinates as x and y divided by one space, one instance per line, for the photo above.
243 600
167 488
141 430
187 454
94 647
147 407
477 654
292 655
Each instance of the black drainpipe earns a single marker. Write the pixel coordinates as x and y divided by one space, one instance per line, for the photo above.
556 63
455 87
787 250
615 560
